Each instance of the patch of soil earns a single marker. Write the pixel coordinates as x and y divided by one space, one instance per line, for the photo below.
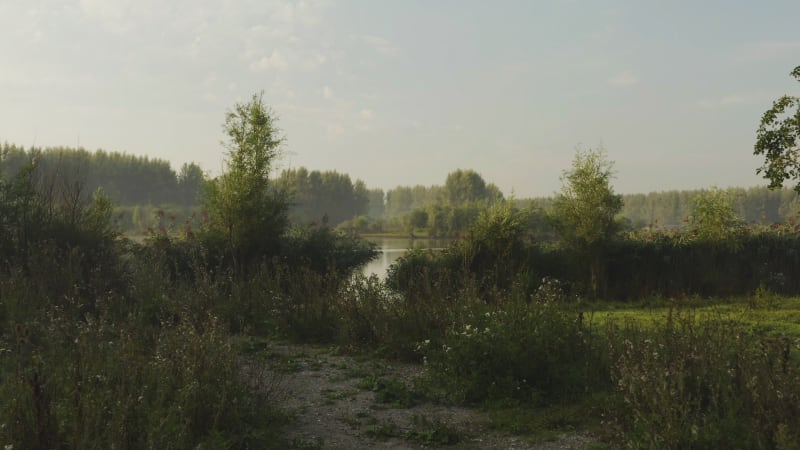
342 402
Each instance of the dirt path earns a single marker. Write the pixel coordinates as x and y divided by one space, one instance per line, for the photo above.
341 402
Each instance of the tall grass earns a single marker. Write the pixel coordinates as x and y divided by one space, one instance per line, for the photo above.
135 368
704 381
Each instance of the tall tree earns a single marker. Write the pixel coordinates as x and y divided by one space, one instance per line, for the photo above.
399 201
249 215
316 194
583 213
778 139
190 180
464 186
376 206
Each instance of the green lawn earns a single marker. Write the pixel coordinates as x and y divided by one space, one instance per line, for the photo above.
772 315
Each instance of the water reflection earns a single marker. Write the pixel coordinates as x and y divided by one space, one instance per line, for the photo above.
391 249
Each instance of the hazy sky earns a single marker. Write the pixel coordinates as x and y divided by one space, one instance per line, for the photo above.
405 91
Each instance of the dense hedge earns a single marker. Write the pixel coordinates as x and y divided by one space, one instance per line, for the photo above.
673 265
636 266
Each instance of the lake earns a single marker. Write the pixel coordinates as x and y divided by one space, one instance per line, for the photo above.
393 248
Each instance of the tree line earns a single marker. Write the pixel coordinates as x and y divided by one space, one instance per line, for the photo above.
136 183
126 179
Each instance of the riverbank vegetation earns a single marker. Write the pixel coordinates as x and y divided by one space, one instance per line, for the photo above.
649 338
150 195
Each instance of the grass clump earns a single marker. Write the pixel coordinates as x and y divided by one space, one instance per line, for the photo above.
391 391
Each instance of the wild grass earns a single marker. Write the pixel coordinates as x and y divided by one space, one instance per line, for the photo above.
125 369
776 315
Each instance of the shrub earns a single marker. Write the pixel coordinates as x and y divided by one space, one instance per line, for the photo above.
534 352
702 382
98 383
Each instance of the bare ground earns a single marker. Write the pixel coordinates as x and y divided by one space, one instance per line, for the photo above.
341 402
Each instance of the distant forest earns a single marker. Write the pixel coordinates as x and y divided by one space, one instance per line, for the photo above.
670 209
126 179
135 183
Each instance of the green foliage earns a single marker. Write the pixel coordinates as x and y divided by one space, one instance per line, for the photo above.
361 223
325 251
463 187
146 220
763 297
415 220
670 210
649 264
496 250
391 391
102 348
778 140
703 382
190 183
22 217
496 255
534 352
243 210
584 212
713 217
434 433
126 179
107 380
402 200
323 196
420 271
451 209
376 206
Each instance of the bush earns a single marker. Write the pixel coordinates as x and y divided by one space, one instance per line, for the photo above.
325 251
107 380
534 352
702 382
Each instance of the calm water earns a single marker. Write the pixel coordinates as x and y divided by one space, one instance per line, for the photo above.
393 248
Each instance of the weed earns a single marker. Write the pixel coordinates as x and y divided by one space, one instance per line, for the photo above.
694 381
432 432
332 395
384 431
391 391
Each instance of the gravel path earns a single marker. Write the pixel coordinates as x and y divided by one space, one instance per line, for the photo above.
342 402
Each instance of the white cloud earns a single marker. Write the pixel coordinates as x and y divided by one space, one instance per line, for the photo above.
623 79
274 61
327 93
367 114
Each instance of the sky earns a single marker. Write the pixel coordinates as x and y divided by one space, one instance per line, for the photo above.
404 92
